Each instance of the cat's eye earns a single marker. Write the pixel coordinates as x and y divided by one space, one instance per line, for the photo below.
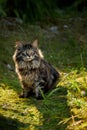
19 49
23 54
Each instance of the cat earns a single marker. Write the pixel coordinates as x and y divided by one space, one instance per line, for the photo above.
35 74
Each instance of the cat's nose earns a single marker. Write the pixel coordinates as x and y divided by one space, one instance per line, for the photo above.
27 57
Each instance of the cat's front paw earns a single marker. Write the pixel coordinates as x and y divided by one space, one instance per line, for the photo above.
38 93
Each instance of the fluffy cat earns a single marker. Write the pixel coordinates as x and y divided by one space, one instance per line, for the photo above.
34 73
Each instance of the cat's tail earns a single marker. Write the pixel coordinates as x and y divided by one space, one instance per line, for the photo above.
56 75
53 78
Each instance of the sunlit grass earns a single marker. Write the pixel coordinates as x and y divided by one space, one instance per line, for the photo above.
21 109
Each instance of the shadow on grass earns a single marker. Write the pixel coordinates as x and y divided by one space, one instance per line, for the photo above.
7 123
57 111
54 109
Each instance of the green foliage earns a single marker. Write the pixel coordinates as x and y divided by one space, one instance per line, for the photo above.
2 8
80 4
37 10
31 10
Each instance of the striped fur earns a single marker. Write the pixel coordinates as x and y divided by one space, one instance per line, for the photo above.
33 71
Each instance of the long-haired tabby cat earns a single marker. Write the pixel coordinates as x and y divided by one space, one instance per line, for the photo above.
35 74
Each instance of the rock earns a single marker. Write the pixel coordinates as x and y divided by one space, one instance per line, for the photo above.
65 26
19 21
54 29
9 67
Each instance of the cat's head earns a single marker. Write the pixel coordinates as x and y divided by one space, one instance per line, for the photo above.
28 52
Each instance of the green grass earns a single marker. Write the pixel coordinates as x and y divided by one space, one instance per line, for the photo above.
63 108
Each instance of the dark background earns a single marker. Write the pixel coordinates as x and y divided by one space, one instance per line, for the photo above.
37 10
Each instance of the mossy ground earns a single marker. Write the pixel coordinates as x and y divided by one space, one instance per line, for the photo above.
66 49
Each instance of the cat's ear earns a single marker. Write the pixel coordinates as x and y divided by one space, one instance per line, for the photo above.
18 44
35 43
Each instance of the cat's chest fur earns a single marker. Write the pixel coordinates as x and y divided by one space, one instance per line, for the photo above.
30 72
